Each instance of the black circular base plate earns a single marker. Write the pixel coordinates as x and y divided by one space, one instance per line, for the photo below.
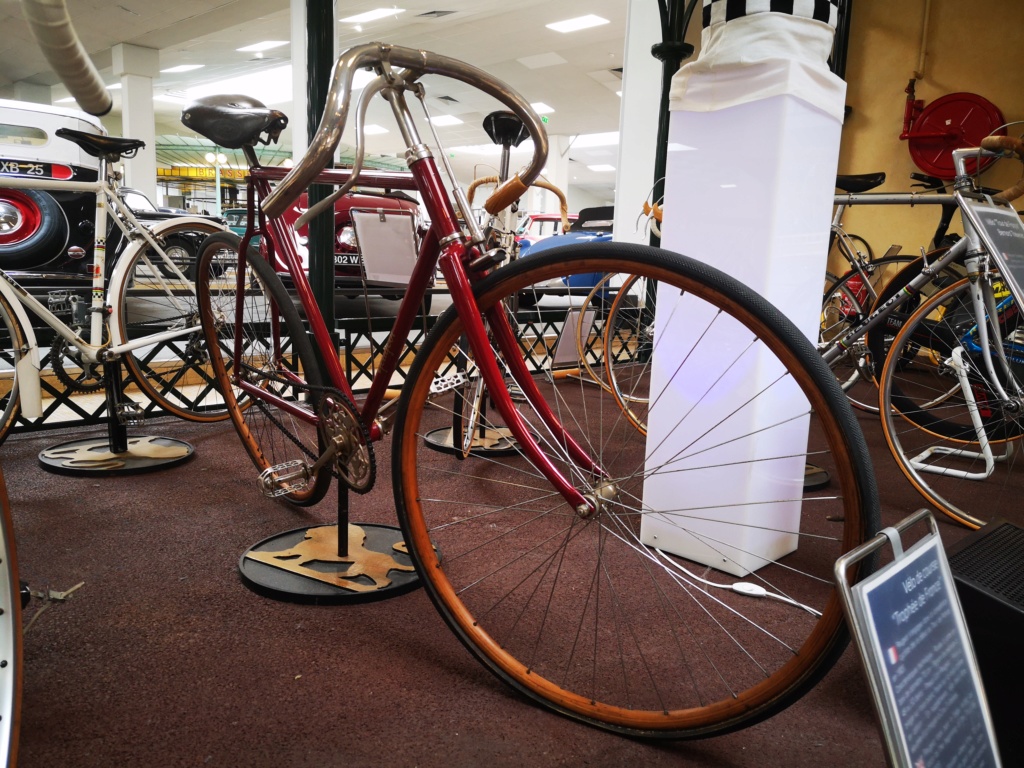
815 478
493 443
93 457
302 566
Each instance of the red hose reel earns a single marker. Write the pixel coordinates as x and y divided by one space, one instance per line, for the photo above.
953 121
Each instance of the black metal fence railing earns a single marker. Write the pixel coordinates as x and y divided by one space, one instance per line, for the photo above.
361 342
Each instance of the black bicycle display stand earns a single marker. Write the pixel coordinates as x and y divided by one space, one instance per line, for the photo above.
117 454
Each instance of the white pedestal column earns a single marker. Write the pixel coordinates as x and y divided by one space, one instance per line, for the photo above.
751 195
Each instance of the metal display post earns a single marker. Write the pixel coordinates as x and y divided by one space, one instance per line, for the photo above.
318 564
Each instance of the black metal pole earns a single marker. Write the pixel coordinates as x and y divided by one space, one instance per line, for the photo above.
319 61
841 47
672 52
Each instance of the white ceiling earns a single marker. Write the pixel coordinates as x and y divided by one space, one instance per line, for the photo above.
508 40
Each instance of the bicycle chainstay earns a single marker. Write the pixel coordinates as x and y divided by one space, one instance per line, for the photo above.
365 470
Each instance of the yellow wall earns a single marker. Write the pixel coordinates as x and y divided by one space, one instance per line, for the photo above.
975 46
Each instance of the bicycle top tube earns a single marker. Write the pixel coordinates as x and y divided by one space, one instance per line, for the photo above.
414 64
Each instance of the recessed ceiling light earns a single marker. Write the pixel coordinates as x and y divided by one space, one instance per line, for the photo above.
596 140
169 99
271 86
491 150
266 45
114 87
182 68
378 13
445 120
372 130
541 108
580 22
65 100
601 168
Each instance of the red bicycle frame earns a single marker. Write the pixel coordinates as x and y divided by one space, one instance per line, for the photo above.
452 258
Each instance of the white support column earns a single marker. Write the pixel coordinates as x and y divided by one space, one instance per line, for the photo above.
137 66
555 172
37 94
297 115
638 121
759 117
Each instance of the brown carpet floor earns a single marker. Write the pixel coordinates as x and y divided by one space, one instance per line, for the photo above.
164 658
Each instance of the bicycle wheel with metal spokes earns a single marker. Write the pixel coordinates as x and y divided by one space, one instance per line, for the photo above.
11 338
275 355
951 433
10 636
656 609
846 303
157 296
628 340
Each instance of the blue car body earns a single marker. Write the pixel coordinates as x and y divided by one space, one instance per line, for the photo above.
594 225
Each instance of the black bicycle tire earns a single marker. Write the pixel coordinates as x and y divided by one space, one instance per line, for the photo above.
783 338
317 489
10 401
160 382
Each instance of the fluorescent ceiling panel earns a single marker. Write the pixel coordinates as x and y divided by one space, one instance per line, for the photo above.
580 22
378 13
541 60
443 120
266 45
585 140
271 86
182 68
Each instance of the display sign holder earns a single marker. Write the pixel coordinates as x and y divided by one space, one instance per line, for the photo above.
387 243
571 342
908 626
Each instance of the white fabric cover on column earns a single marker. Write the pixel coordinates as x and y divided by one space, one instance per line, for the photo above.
758 117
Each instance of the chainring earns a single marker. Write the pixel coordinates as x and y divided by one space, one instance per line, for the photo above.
341 425
89 380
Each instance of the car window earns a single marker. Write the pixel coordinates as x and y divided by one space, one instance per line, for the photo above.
138 202
22 135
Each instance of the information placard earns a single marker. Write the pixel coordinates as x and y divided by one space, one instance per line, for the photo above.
1002 231
917 650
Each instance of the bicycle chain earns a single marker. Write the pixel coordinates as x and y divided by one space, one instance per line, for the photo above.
364 434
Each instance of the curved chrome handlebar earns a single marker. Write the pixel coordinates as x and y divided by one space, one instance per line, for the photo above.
418 62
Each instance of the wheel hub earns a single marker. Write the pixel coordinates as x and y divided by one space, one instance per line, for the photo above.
600 500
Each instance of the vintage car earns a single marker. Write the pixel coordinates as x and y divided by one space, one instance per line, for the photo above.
348 264
592 225
46 238
535 227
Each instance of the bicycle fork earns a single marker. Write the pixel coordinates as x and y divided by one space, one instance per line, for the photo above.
494 380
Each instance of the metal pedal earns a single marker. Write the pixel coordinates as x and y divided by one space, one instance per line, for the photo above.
130 414
58 302
443 384
282 479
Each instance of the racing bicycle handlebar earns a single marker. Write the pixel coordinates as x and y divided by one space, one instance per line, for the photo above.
1002 145
416 63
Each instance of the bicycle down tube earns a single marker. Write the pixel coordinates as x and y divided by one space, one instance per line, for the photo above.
452 259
